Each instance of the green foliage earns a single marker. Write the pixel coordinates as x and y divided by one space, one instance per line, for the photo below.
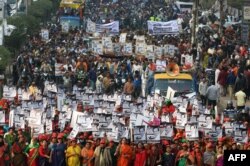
236 3
28 24
17 37
5 58
40 9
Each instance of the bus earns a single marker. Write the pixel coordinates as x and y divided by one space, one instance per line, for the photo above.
71 12
181 83
185 5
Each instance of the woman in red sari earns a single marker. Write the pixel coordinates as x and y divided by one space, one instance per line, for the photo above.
3 148
140 156
32 152
124 151
18 155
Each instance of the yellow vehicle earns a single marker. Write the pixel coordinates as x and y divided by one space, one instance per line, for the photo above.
69 17
181 82
71 4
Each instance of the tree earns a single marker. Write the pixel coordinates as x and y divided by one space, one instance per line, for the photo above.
5 58
18 36
207 4
236 3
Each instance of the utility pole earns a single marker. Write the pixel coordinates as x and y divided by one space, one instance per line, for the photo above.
195 17
2 17
221 17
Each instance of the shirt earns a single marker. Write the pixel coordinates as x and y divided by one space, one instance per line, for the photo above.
212 92
203 88
240 98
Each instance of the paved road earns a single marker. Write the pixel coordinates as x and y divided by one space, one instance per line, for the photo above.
223 102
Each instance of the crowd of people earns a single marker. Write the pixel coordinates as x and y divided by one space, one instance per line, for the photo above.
38 62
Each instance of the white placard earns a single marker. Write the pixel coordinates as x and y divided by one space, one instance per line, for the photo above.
192 132
153 134
139 134
122 38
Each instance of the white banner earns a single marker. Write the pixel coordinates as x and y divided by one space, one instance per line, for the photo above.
45 34
162 28
122 38
153 134
90 26
65 27
107 45
192 132
112 27
139 133
127 49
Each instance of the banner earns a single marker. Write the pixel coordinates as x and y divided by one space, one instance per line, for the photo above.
122 38
107 45
112 27
140 49
192 132
97 47
153 134
90 26
167 131
162 28
45 34
139 133
127 49
65 27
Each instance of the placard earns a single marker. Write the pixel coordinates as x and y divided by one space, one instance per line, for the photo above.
191 131
167 131
153 134
139 134
127 49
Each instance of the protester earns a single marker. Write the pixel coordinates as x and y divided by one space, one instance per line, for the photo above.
87 154
44 156
57 152
17 153
124 153
32 151
102 155
73 154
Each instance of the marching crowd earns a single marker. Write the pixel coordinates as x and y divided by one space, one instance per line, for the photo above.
36 64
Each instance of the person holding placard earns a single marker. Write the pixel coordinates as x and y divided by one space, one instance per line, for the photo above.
154 156
73 154
124 153
183 157
44 156
168 157
10 137
4 156
128 87
102 155
57 153
87 154
18 156
32 152
140 155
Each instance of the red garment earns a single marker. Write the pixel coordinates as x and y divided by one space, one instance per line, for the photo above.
222 78
152 66
197 158
43 152
2 159
33 157
168 109
140 158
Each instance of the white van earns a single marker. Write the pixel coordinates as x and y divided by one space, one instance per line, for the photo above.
185 6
